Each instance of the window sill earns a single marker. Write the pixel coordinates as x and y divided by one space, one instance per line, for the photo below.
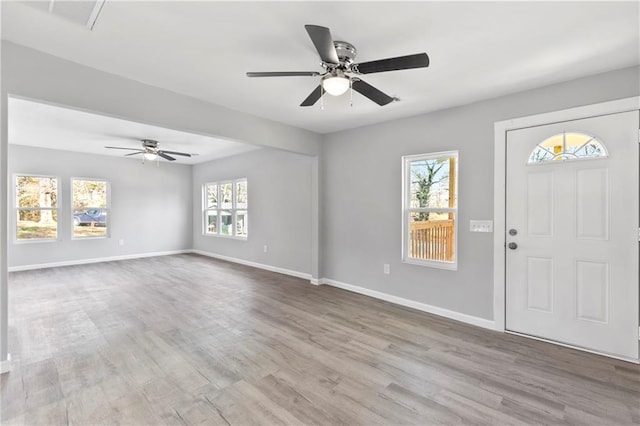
230 237
432 264
37 240
100 237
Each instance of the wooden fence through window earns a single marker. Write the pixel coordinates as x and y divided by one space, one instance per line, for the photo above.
432 240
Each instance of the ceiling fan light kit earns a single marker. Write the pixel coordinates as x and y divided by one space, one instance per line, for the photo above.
341 73
336 83
150 156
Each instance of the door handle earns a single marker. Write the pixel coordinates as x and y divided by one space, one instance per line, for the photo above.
513 246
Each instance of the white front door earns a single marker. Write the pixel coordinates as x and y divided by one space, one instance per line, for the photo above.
572 233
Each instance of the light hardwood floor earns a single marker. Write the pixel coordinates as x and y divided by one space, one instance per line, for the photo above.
191 340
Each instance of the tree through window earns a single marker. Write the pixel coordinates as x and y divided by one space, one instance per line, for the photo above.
36 206
430 209
90 208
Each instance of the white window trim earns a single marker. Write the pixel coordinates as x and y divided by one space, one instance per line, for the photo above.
234 209
108 209
16 208
406 195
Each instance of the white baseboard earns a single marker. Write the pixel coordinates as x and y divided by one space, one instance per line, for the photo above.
469 319
5 366
277 269
95 260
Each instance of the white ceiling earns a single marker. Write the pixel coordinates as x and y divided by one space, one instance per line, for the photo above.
49 126
478 50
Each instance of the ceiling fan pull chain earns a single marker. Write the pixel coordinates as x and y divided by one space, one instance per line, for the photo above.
321 97
351 92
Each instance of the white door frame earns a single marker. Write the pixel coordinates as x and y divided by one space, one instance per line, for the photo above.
499 197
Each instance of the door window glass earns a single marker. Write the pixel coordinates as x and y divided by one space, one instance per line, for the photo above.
567 146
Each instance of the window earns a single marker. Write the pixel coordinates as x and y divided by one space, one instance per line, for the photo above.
567 146
36 207
226 208
430 209
90 208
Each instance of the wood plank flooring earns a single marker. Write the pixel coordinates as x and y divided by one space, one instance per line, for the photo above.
191 340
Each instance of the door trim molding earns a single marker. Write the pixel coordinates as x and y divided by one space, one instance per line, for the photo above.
499 202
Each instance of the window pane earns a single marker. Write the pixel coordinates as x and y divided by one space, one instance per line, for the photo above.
89 193
433 182
90 223
37 224
212 196
241 223
241 194
226 194
591 149
567 146
90 202
212 222
36 191
226 222
431 236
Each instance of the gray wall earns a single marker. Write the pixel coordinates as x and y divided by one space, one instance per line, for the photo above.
361 200
150 206
280 202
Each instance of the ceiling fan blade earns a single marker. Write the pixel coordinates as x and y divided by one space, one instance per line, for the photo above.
165 156
419 60
134 153
321 38
313 97
119 147
284 74
371 92
175 153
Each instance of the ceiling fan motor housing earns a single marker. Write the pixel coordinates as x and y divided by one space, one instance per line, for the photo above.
346 52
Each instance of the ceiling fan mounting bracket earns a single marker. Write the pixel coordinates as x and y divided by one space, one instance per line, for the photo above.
149 143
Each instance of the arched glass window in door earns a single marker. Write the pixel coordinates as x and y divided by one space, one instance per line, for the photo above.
567 146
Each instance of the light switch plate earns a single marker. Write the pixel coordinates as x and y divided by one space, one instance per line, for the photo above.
481 225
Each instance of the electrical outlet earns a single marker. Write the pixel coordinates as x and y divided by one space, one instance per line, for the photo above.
386 268
121 242
266 249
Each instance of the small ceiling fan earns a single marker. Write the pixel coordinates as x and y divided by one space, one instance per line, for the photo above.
340 73
151 151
